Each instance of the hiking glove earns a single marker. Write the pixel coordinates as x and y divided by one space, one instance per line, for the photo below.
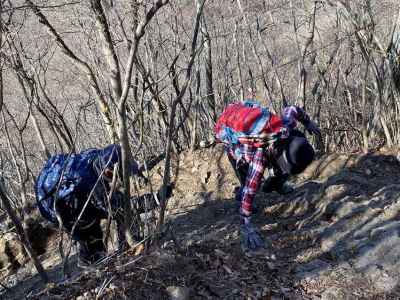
250 238
312 128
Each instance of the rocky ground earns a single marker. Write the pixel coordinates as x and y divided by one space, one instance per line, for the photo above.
335 237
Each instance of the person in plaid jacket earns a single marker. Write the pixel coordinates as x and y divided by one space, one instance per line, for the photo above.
287 153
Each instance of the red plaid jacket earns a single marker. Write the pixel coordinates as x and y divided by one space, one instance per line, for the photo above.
257 159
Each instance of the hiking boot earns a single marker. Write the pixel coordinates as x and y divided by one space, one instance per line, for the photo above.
264 252
90 261
98 257
267 251
87 258
83 262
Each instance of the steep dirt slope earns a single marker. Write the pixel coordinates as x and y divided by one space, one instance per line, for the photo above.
335 237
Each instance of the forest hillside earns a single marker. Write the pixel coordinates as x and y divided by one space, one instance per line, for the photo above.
153 76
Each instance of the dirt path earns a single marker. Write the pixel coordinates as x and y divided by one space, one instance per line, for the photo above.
335 237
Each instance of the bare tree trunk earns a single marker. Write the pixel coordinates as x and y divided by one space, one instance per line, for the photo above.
302 83
239 68
260 62
193 142
108 48
394 53
21 178
122 129
386 131
1 63
171 129
84 66
208 64
22 78
21 232
364 123
45 151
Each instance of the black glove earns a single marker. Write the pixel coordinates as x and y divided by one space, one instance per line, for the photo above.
251 240
312 128
168 192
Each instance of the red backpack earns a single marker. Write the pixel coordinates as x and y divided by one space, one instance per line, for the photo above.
246 122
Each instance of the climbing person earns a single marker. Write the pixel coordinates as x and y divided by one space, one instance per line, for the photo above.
283 163
256 139
79 190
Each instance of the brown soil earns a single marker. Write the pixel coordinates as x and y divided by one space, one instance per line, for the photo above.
201 251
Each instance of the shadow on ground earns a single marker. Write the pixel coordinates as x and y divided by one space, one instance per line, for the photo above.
336 236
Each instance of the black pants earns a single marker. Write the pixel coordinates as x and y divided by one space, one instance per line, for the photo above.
273 183
88 232
241 169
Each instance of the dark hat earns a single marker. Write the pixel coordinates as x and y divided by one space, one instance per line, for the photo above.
296 156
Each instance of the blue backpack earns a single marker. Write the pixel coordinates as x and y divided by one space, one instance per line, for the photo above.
65 176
